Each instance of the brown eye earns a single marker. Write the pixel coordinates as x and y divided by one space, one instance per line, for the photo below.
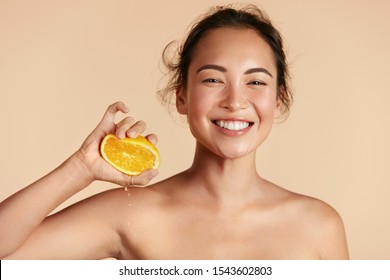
257 83
211 80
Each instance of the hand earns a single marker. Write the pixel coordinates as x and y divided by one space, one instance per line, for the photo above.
89 152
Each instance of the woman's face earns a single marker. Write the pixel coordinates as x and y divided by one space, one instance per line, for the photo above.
231 94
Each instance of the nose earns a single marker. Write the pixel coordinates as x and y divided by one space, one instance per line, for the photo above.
233 100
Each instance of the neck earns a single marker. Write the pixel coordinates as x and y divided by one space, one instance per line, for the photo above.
225 181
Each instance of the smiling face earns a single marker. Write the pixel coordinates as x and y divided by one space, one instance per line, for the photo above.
231 93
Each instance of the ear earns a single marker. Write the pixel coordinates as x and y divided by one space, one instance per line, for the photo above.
181 101
281 111
278 109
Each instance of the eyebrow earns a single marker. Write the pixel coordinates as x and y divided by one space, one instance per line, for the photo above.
223 69
213 67
257 70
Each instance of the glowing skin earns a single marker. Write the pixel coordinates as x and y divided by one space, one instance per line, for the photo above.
231 94
219 208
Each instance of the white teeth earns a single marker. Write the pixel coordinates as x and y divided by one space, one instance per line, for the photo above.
232 125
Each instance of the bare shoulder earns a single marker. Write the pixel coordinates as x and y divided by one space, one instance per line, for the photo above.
318 212
320 223
134 202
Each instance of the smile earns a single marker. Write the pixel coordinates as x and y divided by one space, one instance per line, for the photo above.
233 125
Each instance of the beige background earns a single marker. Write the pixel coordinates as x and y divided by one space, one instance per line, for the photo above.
63 62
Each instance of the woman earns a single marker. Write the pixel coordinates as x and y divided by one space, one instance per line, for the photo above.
230 81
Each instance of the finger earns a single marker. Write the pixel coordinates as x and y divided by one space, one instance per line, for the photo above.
107 123
145 177
136 129
123 126
140 180
152 138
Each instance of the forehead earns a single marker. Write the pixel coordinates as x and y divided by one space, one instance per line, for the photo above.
233 47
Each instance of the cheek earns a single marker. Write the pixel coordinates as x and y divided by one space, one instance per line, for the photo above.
265 105
199 103
195 108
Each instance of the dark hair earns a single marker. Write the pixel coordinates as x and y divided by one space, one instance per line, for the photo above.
226 16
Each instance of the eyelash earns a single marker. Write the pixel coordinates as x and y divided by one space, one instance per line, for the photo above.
211 80
257 83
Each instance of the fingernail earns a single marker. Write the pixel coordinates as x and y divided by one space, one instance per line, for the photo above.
153 173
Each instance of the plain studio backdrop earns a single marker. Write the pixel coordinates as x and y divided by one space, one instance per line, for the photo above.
63 62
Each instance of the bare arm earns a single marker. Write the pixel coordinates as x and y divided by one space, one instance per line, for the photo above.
21 213
23 216
85 230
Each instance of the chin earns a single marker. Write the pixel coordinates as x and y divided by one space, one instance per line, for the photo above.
233 153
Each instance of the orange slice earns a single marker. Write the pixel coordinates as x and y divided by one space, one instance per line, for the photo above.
130 155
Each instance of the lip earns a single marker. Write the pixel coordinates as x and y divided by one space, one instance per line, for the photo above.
230 132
